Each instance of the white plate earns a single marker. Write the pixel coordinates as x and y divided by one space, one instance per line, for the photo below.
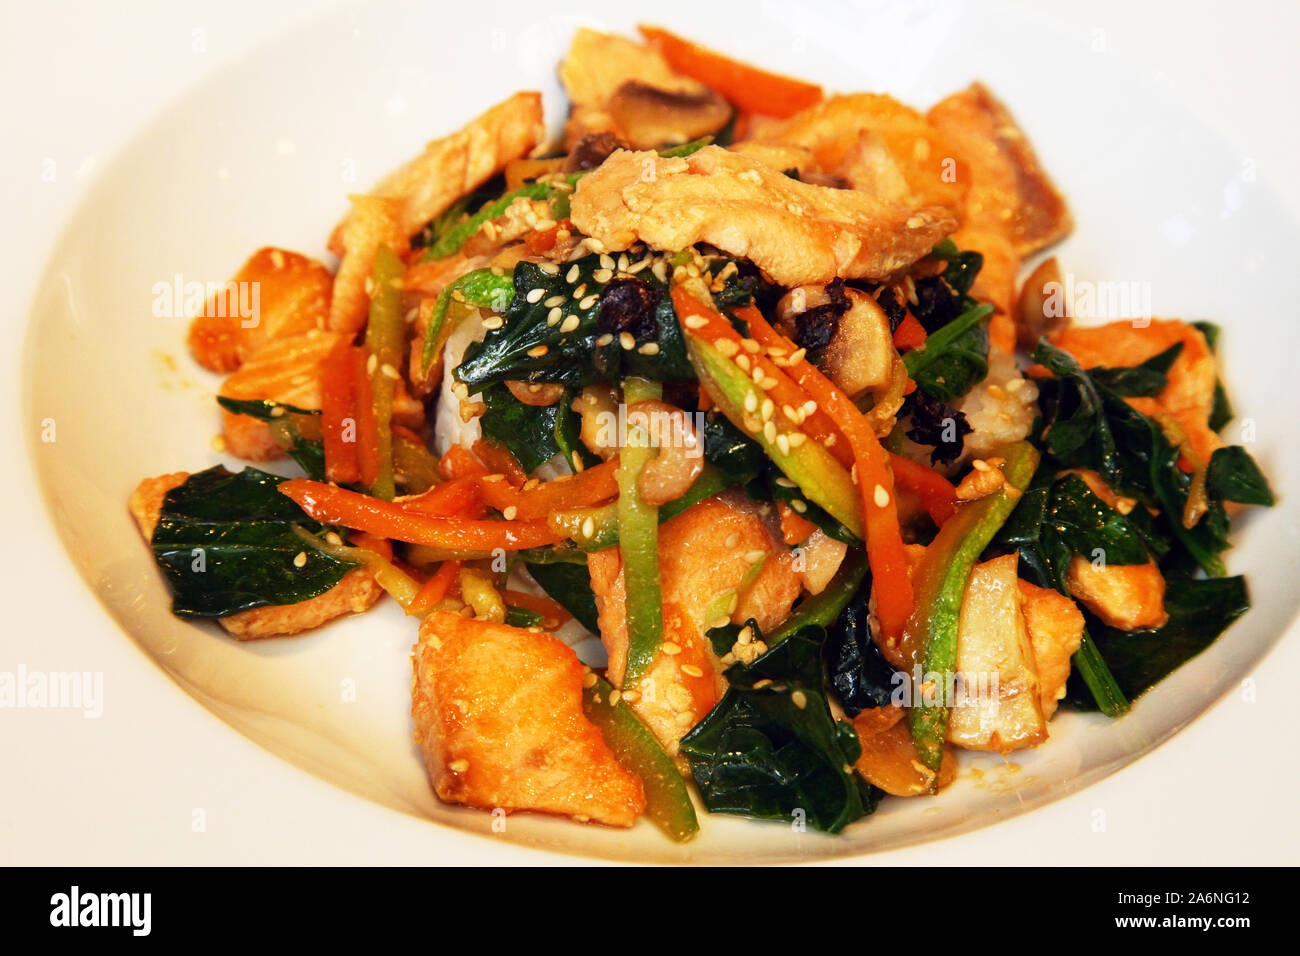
264 153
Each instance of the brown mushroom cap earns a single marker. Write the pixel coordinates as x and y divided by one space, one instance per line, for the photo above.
648 116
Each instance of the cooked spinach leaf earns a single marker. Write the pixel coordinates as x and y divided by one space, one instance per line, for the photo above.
530 432
771 748
1084 424
1145 379
776 487
226 543
570 586
562 329
310 455
522 617
1200 610
737 456
859 674
1232 475
954 358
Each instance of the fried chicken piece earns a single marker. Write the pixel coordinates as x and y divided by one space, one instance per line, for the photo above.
796 232
498 717
292 296
1010 193
1055 627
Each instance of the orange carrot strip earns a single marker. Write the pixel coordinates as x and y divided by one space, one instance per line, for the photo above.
436 588
890 570
748 87
795 528
460 497
367 427
458 463
551 610
938 496
330 504
910 333
583 490
706 400
499 460
380 546
337 400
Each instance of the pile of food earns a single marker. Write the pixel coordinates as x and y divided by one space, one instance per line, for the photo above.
738 376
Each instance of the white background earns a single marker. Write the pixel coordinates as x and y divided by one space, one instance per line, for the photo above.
78 79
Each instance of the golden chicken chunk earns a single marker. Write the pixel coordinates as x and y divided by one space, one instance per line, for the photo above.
1010 193
289 294
878 145
459 163
1125 596
705 555
356 591
498 717
796 232
1055 627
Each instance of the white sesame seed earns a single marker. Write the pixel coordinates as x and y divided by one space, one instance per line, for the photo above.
650 348
588 527
572 275
555 300
510 512
626 341
603 275
783 443
799 505
550 268
588 302
880 496
604 340
751 402
571 323
535 295
553 316
493 322
300 559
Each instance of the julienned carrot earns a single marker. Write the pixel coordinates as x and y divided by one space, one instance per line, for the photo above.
795 528
910 333
751 89
583 490
338 418
458 498
890 569
498 459
436 588
553 613
458 463
938 496
776 381
363 404
330 504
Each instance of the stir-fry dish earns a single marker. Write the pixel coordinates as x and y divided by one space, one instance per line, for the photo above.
738 376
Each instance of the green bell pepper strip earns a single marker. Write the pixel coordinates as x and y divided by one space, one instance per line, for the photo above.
385 334
602 533
940 583
449 242
481 288
638 538
668 802
822 609
823 480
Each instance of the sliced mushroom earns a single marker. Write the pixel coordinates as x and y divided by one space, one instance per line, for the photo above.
856 347
649 117
1041 309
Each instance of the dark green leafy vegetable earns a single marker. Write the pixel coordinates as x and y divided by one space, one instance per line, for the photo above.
570 586
954 358
450 241
466 205
226 543
539 342
822 609
774 486
522 617
482 288
1199 611
735 455
1086 425
859 674
531 432
1232 475
1145 379
310 455
759 753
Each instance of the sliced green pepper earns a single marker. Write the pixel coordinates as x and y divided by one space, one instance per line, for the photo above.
822 479
940 583
638 540
385 333
668 802
822 609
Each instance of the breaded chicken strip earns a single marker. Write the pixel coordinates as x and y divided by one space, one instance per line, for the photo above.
498 717
355 592
796 232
